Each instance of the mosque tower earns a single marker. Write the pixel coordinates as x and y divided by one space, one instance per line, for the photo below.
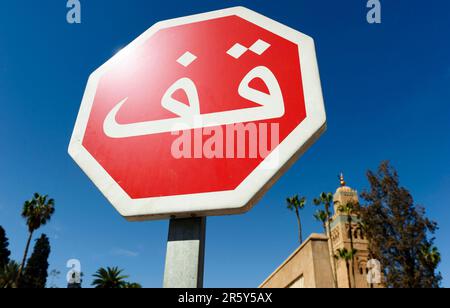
341 231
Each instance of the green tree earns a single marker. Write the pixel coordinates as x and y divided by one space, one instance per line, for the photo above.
9 274
350 209
429 259
296 204
35 273
132 285
399 232
37 211
346 256
4 252
321 216
109 278
326 200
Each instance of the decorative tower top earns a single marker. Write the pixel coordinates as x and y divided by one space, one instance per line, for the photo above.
343 194
341 178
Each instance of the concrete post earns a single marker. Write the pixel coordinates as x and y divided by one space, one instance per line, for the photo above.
185 253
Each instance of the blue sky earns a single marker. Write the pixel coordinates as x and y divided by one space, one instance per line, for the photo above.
387 96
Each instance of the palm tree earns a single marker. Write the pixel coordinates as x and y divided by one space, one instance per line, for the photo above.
321 216
433 256
109 278
37 211
296 204
347 256
9 274
326 199
350 208
132 285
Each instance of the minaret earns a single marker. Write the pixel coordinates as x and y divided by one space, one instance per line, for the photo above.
343 195
341 238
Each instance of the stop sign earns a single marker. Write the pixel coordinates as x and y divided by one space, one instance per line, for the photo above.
199 115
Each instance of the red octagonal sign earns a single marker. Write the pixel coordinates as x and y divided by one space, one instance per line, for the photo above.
199 115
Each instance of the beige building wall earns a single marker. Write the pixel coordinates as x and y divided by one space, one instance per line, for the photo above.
308 267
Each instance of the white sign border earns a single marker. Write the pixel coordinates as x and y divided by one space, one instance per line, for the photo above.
257 183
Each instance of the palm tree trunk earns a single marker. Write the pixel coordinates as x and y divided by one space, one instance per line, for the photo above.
348 274
350 233
331 251
22 265
300 237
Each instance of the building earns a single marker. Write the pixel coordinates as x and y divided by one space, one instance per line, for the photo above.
312 266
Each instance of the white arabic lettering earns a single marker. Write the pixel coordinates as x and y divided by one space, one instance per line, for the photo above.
189 116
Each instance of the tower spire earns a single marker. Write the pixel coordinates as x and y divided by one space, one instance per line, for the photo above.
341 178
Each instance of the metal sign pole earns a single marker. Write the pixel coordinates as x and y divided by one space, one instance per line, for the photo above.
185 253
